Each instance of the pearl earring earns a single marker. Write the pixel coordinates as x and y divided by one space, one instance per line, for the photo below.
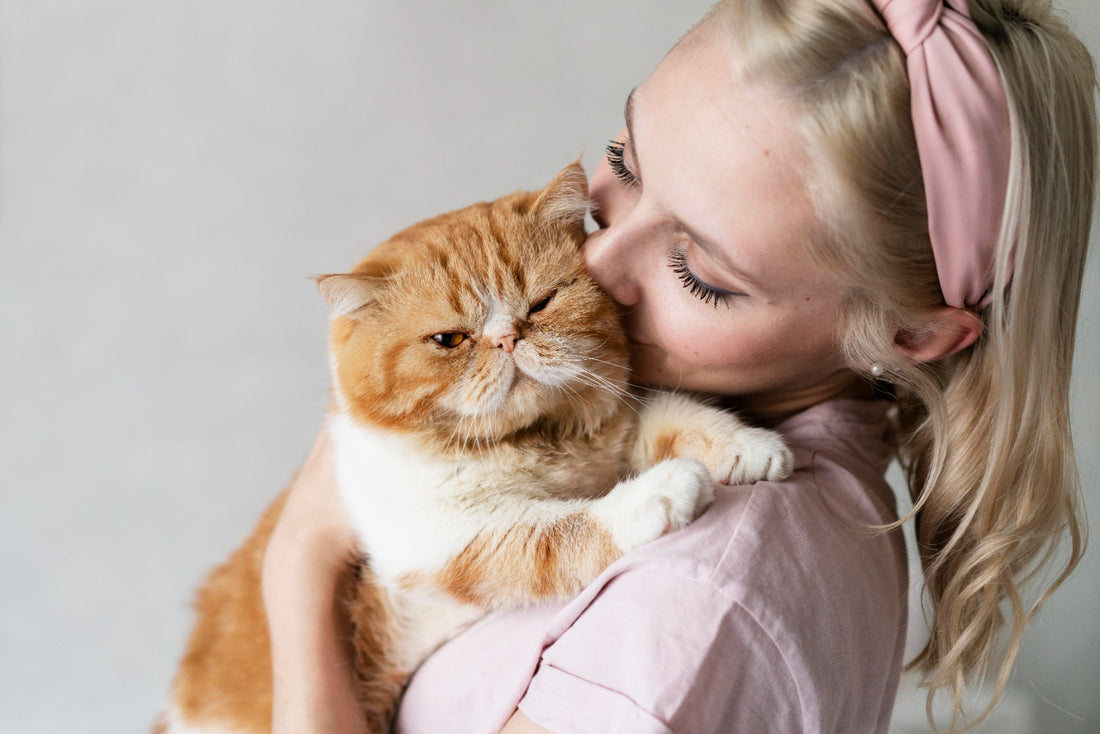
876 370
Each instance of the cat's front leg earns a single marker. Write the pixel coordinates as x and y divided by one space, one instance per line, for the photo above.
660 500
677 425
552 548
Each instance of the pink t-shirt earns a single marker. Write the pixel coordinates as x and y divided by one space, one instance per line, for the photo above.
776 611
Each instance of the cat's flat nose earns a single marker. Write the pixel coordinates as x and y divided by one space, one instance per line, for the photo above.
507 342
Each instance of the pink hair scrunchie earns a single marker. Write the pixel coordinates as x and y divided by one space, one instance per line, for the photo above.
961 121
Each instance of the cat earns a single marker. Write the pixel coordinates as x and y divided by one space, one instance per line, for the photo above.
488 450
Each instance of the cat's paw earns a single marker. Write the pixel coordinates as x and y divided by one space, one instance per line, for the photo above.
748 455
658 501
734 452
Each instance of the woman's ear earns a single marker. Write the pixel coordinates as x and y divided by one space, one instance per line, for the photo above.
948 330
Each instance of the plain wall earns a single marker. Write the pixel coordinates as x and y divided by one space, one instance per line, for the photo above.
170 175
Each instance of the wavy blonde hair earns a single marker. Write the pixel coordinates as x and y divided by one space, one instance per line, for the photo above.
983 436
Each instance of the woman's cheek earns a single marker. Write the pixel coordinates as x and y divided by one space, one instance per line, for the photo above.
681 329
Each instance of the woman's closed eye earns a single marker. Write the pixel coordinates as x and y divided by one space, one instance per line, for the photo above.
614 151
709 294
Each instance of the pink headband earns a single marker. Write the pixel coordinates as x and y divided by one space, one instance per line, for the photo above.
961 121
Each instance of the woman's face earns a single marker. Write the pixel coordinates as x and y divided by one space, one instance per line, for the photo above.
705 232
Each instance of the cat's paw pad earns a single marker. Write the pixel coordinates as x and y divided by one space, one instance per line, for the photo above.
659 501
751 455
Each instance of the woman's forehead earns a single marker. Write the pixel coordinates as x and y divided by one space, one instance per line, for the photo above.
725 158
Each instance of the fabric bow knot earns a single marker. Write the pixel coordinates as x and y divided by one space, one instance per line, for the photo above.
961 120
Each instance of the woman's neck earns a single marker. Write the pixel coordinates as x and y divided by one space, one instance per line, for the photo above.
772 408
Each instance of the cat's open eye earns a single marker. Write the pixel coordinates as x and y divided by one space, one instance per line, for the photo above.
540 305
450 339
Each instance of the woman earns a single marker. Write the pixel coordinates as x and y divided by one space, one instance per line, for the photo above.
851 221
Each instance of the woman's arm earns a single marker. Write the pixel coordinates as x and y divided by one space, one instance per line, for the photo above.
308 561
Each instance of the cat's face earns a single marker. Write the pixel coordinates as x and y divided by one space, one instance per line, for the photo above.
480 322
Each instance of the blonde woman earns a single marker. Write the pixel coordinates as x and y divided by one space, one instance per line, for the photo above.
863 223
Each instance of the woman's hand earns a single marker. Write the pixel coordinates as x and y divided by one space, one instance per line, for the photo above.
309 561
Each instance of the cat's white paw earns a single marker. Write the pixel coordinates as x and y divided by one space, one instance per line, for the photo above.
749 455
658 501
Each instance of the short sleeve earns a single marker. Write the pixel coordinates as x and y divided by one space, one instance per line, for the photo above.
655 653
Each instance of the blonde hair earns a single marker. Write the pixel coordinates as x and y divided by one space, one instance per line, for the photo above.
984 435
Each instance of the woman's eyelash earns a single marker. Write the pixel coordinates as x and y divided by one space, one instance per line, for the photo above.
677 260
618 165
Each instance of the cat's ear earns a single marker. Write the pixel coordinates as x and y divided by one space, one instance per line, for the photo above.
347 293
565 199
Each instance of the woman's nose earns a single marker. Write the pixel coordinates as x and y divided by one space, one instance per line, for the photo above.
607 252
608 260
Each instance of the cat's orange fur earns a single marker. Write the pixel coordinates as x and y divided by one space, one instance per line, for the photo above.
508 441
225 675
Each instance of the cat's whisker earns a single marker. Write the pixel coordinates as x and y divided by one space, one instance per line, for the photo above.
577 360
595 379
636 387
479 431
575 397
589 358
468 436
566 394
454 435
623 396
633 387
628 401
592 377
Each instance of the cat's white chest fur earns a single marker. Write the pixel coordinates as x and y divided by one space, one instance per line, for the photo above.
395 495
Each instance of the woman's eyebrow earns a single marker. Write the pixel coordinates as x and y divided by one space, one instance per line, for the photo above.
628 115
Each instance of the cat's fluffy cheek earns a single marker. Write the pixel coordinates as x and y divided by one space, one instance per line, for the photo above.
544 370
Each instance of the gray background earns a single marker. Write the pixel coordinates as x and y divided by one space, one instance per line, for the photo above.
170 174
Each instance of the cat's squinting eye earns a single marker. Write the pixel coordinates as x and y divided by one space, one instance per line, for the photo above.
536 307
450 339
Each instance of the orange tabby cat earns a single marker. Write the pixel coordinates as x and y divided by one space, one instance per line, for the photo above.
487 450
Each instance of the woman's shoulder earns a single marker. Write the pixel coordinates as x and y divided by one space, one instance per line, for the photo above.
824 513
789 577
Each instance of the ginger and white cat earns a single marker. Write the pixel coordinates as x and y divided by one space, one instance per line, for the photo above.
488 450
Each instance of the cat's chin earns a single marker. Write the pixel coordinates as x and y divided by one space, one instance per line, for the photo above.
528 402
